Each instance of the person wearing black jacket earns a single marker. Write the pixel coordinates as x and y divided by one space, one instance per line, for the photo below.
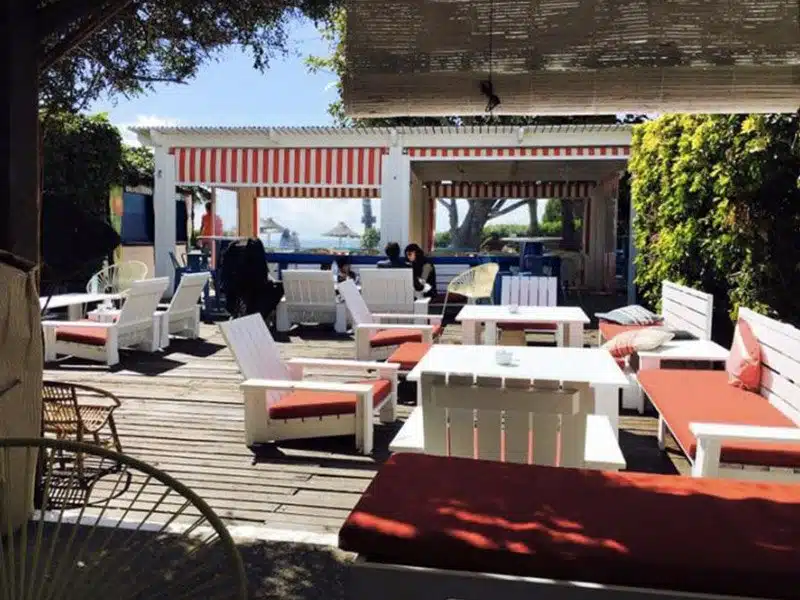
424 271
393 260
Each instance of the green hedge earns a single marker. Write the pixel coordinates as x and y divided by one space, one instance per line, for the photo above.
717 201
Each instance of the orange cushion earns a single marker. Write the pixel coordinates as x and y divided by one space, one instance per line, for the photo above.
744 361
684 396
630 529
528 326
409 354
305 405
93 336
395 337
610 330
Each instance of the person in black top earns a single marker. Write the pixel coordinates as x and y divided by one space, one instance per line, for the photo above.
393 260
344 265
424 271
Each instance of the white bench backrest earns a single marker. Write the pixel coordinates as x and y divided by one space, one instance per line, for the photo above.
255 351
141 301
309 289
356 306
188 293
388 290
525 290
687 309
514 420
780 355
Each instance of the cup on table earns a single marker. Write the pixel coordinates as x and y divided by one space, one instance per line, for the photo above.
504 357
513 308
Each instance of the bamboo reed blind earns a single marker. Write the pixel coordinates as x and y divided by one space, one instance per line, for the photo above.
426 57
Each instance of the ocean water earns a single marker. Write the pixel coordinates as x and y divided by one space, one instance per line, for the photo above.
308 243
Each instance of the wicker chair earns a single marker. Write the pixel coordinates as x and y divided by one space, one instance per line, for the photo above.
136 533
80 412
474 284
116 279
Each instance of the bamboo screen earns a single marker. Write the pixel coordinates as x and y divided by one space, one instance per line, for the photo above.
426 57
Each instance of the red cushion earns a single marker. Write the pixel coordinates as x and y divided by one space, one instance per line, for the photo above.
528 326
395 337
610 330
305 405
684 396
744 362
632 529
93 336
409 354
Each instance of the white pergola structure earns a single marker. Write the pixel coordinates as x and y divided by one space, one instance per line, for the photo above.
407 168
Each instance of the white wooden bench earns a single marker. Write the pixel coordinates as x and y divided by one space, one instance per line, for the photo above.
777 403
391 291
309 296
527 290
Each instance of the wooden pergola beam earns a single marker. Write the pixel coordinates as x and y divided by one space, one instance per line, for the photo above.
57 16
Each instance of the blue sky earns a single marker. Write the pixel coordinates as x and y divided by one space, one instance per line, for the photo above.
231 92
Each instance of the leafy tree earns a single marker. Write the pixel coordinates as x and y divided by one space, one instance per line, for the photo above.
370 239
464 233
717 202
94 47
552 211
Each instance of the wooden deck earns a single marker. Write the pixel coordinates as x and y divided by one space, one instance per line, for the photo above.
182 412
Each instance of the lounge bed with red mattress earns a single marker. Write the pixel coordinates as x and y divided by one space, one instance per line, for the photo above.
728 431
438 528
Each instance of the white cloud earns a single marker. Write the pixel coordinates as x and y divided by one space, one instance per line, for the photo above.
129 137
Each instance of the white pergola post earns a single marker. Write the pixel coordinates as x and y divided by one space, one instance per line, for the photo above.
395 196
164 214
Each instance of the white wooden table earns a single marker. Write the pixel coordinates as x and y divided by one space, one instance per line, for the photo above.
570 320
74 303
704 351
582 365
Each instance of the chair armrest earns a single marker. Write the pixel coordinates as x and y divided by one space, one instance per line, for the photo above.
344 364
407 317
81 324
424 301
283 385
378 326
750 433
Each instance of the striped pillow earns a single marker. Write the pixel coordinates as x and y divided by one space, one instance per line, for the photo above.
744 361
631 315
628 342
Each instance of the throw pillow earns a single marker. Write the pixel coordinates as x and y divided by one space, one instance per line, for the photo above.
630 315
639 340
744 361
680 335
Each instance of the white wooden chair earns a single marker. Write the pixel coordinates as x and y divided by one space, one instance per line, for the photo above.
391 291
375 337
309 296
136 324
279 404
182 315
525 290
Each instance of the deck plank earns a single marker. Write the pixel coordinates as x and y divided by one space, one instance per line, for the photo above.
182 412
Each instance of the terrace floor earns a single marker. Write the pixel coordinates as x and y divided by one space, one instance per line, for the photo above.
182 412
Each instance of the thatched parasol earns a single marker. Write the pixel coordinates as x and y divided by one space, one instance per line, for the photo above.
341 231
269 226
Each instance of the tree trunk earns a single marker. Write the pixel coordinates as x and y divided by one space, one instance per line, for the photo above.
470 233
533 225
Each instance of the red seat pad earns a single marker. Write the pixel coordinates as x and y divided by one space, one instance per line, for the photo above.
609 330
92 336
684 396
409 354
528 326
396 337
306 405
633 529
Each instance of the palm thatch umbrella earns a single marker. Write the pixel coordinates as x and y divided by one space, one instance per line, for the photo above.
341 231
269 226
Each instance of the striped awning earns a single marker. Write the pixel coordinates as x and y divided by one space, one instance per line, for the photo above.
530 189
317 192
584 152
320 167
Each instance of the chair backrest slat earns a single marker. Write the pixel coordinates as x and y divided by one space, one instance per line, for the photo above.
511 419
687 309
309 288
188 293
141 301
355 303
525 290
388 290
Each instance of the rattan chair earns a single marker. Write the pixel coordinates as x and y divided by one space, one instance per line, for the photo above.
81 413
136 533
117 279
474 284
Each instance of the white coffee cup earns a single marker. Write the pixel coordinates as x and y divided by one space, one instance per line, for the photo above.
504 357
513 309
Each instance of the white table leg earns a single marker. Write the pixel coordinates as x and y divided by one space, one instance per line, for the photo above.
574 334
490 333
75 312
469 332
606 402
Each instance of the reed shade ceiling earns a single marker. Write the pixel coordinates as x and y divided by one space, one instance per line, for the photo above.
427 57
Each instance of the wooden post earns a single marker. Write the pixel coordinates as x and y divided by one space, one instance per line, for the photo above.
20 330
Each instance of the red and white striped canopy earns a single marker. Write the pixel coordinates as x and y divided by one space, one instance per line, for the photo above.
317 192
621 152
530 189
336 167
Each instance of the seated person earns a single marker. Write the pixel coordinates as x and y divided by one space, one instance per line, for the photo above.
424 271
393 260
345 270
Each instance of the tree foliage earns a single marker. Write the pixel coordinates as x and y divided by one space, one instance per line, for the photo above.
152 41
717 201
